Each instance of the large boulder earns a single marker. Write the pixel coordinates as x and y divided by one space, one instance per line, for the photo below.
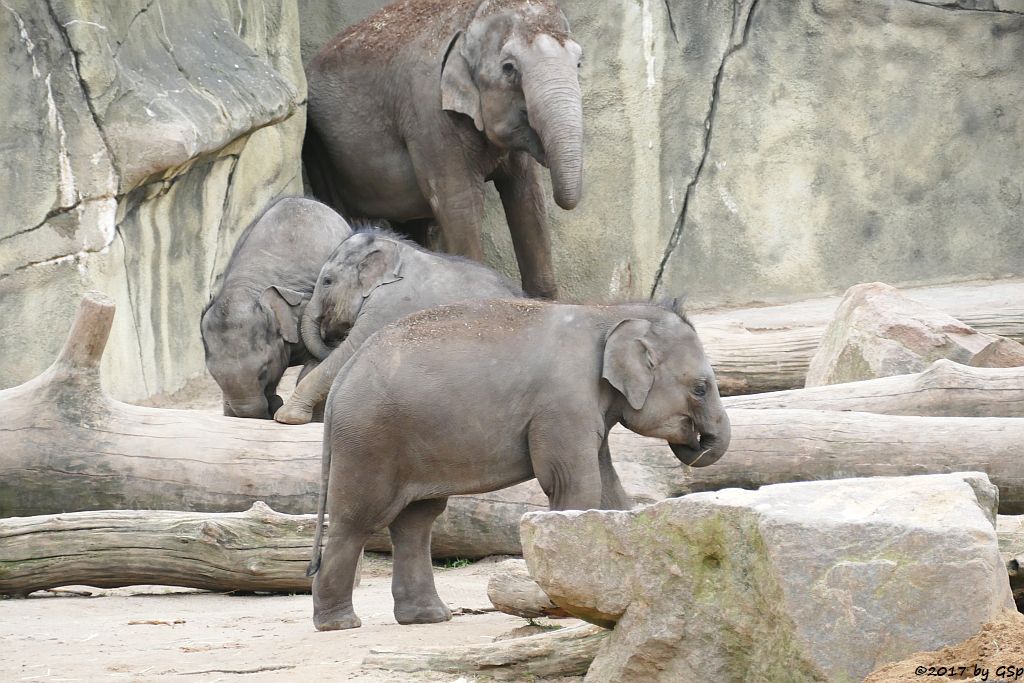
140 140
878 332
751 151
1001 352
814 581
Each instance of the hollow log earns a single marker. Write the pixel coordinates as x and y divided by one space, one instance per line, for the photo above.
512 591
945 388
769 348
255 550
564 652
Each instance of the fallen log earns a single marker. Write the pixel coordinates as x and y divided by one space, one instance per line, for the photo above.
769 348
255 550
564 652
945 388
512 591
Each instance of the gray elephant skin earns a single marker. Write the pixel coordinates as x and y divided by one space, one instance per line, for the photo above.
250 328
374 278
412 110
480 395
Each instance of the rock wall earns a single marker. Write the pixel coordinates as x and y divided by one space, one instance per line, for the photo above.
767 150
140 138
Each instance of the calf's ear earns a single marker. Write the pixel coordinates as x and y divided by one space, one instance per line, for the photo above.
379 267
285 304
629 361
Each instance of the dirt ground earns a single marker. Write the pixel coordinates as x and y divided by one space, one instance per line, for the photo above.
155 633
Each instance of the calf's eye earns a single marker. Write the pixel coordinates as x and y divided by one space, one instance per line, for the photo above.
700 389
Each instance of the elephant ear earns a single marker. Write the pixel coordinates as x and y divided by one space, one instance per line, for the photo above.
286 305
629 361
379 267
458 91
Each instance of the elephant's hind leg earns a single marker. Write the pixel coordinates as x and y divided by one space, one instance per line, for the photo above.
412 583
332 585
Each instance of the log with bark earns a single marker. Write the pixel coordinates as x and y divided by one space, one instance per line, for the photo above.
563 652
769 348
256 550
511 590
944 389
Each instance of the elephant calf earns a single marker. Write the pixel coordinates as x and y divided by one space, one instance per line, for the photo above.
374 278
481 395
250 328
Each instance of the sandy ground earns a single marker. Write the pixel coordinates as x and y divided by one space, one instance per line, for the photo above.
151 633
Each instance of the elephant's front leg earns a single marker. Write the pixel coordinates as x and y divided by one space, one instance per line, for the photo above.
565 461
313 387
454 188
518 181
613 496
412 581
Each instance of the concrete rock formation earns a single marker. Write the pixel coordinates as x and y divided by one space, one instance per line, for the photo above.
1000 353
815 581
761 150
879 332
141 137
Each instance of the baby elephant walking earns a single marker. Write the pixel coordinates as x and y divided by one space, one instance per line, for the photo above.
481 395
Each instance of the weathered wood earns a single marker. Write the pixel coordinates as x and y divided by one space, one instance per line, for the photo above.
512 591
564 652
944 389
256 550
769 348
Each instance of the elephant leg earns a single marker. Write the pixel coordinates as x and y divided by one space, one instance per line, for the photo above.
312 389
412 582
613 496
332 585
518 181
306 369
227 410
565 462
455 191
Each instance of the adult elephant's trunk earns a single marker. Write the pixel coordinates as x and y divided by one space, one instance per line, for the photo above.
555 110
309 329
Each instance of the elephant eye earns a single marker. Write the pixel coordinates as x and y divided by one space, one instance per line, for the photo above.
328 281
509 69
700 389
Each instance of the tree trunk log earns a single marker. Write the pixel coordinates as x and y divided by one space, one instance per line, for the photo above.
565 652
769 348
945 389
512 591
256 550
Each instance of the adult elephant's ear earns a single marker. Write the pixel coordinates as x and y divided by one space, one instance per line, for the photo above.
458 91
284 303
629 361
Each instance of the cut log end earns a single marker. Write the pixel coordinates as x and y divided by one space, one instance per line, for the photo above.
88 336
514 592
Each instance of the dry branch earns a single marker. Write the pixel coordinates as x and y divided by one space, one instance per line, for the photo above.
565 652
944 389
512 591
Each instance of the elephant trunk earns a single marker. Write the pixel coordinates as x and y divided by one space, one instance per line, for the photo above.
555 109
309 329
252 408
715 434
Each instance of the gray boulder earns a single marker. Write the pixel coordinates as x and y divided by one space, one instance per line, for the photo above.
814 581
878 332
1001 352
140 138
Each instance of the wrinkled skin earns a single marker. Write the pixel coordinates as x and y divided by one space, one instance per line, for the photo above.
481 395
250 327
372 279
414 109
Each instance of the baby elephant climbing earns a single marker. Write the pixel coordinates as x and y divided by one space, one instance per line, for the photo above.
481 395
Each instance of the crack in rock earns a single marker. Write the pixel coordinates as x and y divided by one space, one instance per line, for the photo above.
736 42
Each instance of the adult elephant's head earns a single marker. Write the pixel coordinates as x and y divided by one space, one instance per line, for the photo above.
247 340
666 387
514 71
359 265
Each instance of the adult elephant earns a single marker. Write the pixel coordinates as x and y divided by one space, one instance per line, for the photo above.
414 109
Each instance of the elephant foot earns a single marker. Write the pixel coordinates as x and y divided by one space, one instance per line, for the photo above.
422 614
336 621
291 414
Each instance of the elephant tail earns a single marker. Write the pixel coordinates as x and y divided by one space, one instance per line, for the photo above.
325 472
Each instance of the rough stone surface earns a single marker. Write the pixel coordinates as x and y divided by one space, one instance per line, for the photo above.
878 332
768 150
815 581
1000 353
141 137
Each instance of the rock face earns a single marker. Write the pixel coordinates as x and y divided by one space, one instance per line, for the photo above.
878 332
141 137
816 581
1000 353
753 150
